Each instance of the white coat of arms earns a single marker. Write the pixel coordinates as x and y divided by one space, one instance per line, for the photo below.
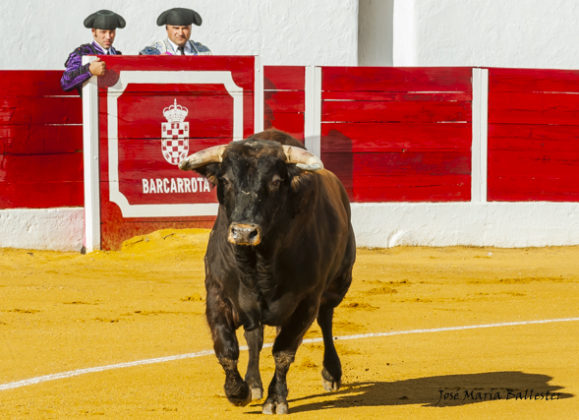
175 134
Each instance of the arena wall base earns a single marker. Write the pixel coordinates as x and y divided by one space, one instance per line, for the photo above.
60 229
516 225
377 225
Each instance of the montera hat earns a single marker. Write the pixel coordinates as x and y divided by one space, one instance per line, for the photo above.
104 19
179 17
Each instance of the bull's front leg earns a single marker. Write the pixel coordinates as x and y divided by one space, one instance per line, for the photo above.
254 340
220 319
285 346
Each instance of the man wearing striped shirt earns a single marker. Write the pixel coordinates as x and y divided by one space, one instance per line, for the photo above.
177 23
103 25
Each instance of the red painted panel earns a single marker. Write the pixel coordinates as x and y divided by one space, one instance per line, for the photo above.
406 176
389 96
207 121
41 181
374 111
33 83
409 189
400 137
520 187
392 79
282 78
534 108
537 80
284 99
394 134
533 135
146 174
41 194
241 66
40 110
38 168
40 141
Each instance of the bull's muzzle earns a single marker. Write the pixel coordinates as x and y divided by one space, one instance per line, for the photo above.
248 234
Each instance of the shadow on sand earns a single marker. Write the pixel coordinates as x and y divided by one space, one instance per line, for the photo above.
438 391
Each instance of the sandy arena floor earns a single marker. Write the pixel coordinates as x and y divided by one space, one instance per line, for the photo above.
65 312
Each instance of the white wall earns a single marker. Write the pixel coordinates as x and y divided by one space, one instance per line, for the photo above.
515 33
39 34
487 33
375 32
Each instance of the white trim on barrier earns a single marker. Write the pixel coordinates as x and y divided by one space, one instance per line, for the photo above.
479 153
313 110
203 353
175 77
90 136
258 97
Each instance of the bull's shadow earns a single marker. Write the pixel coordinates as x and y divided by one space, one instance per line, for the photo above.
437 391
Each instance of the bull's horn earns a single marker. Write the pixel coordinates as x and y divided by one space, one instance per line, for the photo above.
302 158
212 154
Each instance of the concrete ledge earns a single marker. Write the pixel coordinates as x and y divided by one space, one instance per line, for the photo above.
380 225
509 225
59 229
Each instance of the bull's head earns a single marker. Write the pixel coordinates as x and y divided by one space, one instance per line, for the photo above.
256 180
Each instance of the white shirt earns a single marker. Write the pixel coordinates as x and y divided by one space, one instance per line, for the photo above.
188 50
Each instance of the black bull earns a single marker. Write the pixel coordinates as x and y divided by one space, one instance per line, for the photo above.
280 253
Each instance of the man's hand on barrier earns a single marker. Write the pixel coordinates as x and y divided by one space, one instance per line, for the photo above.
97 67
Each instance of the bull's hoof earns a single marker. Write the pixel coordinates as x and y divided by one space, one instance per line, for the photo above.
271 407
238 395
330 384
256 393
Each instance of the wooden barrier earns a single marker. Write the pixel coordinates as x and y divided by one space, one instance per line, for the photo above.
396 134
285 99
533 135
393 136
154 112
40 142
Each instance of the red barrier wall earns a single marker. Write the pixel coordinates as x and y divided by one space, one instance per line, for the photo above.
285 99
140 193
398 134
40 142
391 134
533 137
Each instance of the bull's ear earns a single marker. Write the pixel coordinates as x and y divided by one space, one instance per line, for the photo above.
299 178
209 171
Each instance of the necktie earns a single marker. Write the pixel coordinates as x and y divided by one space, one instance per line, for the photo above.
181 50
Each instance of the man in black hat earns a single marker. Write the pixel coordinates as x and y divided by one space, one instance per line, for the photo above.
178 23
103 25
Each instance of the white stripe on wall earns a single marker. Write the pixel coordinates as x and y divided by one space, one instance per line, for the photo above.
313 110
480 101
90 135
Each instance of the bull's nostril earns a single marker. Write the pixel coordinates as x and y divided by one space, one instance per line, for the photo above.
244 234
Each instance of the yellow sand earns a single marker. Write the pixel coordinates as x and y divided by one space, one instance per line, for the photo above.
65 311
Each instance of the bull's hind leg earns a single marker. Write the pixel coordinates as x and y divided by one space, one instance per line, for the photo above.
220 319
254 340
332 372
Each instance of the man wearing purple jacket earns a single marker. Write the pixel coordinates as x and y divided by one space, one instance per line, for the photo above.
103 25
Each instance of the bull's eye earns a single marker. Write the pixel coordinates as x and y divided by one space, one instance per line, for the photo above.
225 182
275 182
